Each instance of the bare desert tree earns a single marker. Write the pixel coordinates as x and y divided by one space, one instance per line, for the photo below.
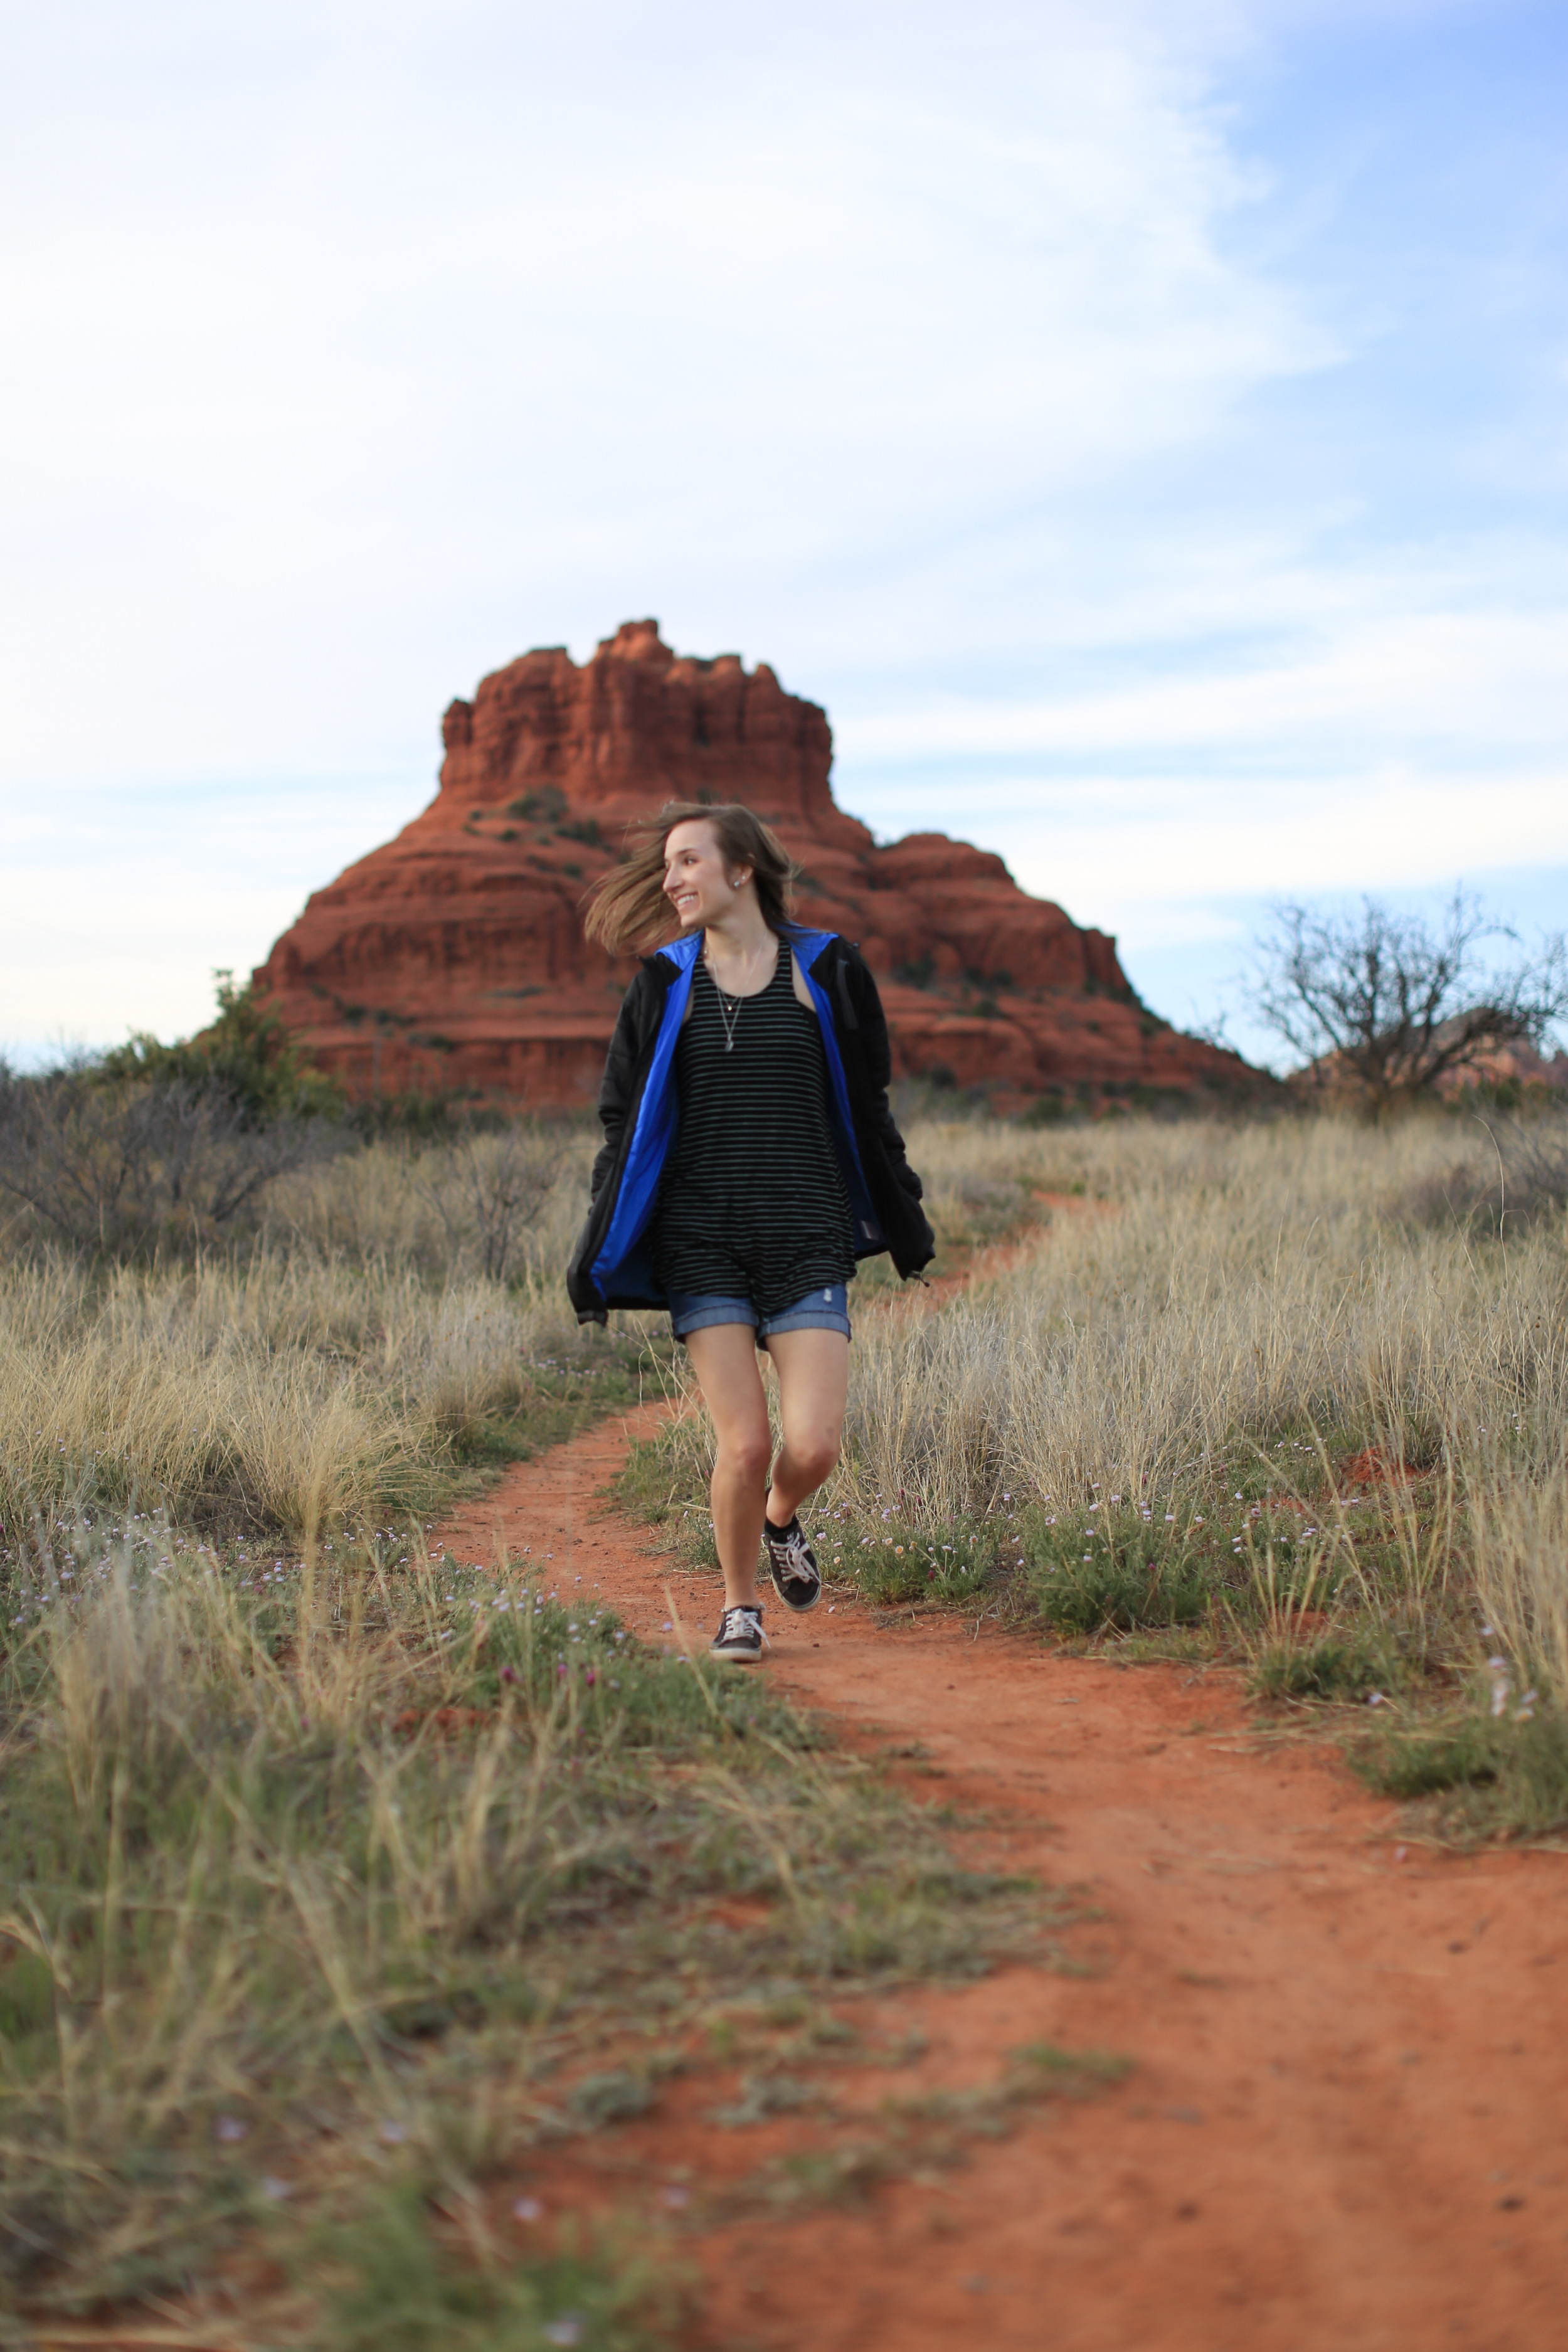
488 1189
1389 1005
120 1165
1534 1154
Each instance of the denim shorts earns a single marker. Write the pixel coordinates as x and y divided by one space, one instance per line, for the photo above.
826 1309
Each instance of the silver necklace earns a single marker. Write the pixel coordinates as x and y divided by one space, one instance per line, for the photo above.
729 1013
728 1007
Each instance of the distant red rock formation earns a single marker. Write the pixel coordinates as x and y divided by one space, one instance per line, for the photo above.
452 959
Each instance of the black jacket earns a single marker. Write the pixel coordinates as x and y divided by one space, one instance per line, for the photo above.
612 1266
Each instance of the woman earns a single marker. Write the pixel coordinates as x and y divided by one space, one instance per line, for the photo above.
750 1159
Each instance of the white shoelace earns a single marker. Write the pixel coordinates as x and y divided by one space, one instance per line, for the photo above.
742 1620
797 1555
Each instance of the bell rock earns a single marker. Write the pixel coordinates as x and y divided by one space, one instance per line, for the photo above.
452 961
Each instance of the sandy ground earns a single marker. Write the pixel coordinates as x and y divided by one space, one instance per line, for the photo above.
1345 2123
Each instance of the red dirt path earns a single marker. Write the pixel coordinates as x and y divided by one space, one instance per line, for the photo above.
1345 2123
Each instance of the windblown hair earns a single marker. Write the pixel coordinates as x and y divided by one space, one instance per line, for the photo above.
627 908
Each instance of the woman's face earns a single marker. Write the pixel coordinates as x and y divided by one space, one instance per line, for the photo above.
695 881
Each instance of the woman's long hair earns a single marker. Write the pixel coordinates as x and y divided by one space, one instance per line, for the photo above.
627 908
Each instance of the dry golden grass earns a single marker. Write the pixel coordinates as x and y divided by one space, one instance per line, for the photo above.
1214 1309
347 1879
274 1941
332 1364
333 1883
336 1359
1220 1289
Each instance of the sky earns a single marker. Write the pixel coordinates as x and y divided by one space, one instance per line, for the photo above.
1143 428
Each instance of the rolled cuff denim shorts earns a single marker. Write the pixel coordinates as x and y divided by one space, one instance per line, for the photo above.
825 1309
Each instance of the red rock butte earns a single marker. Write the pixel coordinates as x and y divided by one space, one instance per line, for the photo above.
452 959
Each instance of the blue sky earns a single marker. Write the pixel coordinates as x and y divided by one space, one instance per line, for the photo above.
1145 428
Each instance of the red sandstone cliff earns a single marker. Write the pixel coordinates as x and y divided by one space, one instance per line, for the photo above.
452 959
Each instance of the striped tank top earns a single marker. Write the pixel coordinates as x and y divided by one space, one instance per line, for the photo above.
753 1202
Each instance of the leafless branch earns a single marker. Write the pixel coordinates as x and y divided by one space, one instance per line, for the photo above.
1393 1006
120 1165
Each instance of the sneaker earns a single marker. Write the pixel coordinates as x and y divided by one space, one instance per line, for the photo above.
739 1636
797 1579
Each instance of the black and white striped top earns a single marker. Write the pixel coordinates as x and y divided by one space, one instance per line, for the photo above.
753 1202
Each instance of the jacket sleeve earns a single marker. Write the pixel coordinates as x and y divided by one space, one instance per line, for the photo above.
619 1082
863 1006
618 1102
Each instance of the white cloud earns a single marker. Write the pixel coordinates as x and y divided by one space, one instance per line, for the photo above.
1119 850
346 352
125 901
1471 684
348 363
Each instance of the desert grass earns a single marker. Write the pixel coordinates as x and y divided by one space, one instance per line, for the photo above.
1219 1290
352 1353
362 1876
339 1364
347 1877
1295 1384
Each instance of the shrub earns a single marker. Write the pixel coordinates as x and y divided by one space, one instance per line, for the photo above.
245 1056
120 1165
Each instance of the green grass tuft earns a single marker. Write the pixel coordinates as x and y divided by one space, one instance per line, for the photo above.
894 1562
386 2282
1337 1666
1134 1575
1477 1775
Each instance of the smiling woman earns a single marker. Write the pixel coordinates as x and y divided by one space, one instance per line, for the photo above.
750 1159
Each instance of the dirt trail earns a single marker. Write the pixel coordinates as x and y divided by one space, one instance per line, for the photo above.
1346 2121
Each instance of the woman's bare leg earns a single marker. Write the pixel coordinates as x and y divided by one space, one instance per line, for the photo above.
724 1359
814 1388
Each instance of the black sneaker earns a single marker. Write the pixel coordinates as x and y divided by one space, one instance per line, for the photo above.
740 1637
797 1579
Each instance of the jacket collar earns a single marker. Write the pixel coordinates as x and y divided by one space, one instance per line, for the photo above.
684 951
